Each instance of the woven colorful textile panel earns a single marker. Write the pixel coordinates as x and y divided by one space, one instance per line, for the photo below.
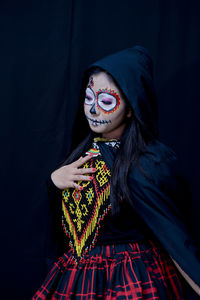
84 211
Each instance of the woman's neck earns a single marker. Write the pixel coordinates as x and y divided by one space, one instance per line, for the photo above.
115 134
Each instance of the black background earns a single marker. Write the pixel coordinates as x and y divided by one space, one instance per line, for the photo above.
44 47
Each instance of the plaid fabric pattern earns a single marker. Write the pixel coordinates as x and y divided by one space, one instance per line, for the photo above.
139 270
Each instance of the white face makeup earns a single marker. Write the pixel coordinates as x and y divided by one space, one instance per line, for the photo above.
107 100
104 106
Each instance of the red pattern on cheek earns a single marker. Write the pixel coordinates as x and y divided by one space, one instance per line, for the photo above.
110 92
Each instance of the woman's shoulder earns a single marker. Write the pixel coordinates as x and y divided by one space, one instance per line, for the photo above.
160 163
161 152
159 156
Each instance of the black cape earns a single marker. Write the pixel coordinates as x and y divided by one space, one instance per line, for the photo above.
153 200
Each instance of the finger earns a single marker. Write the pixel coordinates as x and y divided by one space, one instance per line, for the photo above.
76 186
85 171
77 161
82 177
81 161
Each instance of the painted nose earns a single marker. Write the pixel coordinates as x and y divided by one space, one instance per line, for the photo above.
93 110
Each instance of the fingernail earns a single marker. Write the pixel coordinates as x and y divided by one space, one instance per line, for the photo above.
90 177
81 188
93 169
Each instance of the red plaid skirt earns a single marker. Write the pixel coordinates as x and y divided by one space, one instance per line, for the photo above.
141 270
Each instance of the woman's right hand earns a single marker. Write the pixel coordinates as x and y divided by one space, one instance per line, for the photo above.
66 176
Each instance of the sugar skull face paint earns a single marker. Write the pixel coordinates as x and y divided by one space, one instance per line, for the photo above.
106 99
104 106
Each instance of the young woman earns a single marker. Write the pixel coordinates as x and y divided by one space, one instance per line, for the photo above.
118 187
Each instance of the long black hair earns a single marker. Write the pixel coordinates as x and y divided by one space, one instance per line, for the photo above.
133 143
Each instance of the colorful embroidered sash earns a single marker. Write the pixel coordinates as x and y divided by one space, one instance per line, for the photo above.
83 211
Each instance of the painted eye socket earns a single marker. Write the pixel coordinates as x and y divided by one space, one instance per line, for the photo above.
89 97
107 102
88 100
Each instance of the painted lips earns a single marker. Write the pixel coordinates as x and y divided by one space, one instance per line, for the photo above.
98 122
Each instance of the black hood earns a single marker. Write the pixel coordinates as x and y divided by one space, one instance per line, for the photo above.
132 69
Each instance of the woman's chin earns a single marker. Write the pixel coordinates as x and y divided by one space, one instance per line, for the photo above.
97 128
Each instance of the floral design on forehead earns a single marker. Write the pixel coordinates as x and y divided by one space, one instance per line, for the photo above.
108 100
91 82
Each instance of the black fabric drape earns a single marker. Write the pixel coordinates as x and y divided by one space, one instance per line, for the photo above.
45 46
